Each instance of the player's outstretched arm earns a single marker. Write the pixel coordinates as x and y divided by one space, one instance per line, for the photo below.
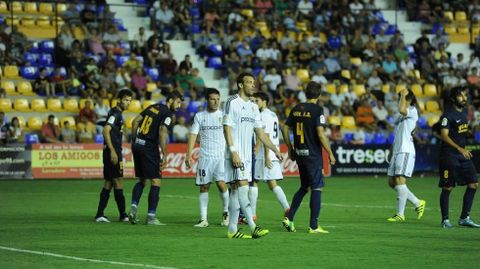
446 138
326 144
191 143
267 142
403 106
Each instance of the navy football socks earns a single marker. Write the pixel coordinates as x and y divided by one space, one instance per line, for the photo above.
315 205
467 202
153 197
120 199
102 204
444 200
297 200
137 192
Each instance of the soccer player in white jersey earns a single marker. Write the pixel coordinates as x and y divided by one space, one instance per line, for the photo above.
402 156
211 163
241 119
267 165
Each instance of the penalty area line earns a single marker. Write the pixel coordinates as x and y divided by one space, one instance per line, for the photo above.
44 253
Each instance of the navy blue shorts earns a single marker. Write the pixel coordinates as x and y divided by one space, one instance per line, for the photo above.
456 171
311 173
147 162
111 171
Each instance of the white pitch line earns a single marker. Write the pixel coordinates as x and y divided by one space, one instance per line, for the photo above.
43 253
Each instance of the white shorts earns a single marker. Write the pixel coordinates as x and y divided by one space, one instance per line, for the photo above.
235 174
262 172
401 164
209 170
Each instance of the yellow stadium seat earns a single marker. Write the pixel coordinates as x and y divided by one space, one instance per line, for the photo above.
460 16
450 29
11 71
359 89
128 122
416 73
343 88
151 87
430 90
12 20
54 105
6 105
43 22
9 87
464 30
431 120
260 24
331 88
70 119
432 106
106 102
356 61
30 7
83 101
38 105
334 120
303 75
346 74
293 35
61 8
247 13
3 7
386 88
302 26
16 6
114 103
348 122
71 105
21 105
417 90
27 22
35 123
25 88
448 15
475 30
147 103
135 106
421 105
21 121
46 9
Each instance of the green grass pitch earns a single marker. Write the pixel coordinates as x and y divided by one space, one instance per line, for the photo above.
56 217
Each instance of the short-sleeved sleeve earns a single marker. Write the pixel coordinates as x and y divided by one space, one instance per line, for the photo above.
258 120
320 121
268 123
196 124
289 120
229 115
444 122
412 112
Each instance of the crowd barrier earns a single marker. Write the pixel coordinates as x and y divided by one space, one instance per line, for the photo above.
64 161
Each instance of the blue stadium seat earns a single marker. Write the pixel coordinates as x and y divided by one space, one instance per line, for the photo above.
2 20
391 120
34 48
390 138
195 13
140 58
379 16
45 59
368 139
195 28
348 137
30 58
153 73
410 49
215 62
126 47
437 26
99 139
119 24
63 72
216 49
379 138
392 29
121 59
47 46
141 2
334 42
422 122
477 137
31 138
29 72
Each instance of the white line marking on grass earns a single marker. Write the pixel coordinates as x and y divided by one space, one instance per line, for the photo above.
43 253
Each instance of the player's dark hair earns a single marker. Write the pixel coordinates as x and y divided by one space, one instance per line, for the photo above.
456 91
262 96
124 92
175 95
209 91
411 98
242 76
66 122
313 90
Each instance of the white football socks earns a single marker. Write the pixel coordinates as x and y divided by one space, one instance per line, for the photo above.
253 197
203 199
402 193
281 197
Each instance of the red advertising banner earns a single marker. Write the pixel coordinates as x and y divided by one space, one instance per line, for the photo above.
85 161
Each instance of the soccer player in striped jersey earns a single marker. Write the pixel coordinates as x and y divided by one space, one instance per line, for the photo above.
241 119
402 156
211 163
267 165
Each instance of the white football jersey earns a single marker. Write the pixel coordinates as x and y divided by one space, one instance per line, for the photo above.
242 116
208 125
271 127
404 126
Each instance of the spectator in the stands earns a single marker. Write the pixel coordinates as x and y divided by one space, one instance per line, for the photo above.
180 131
165 18
95 41
197 83
67 134
364 116
88 113
42 84
132 63
439 40
186 64
139 83
212 21
61 55
50 131
139 44
15 131
183 80
153 53
111 39
86 130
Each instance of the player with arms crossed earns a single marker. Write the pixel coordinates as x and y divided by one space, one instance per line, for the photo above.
211 164
402 156
150 130
307 122
456 165
267 165
241 120
112 158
